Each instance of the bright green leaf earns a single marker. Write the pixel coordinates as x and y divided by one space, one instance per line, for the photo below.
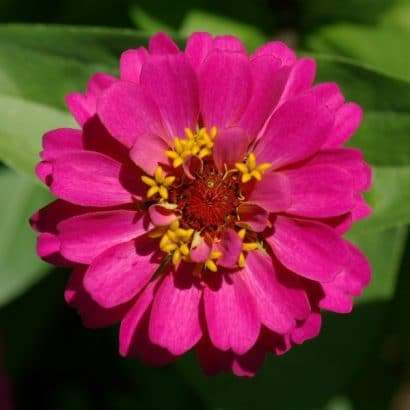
379 47
20 267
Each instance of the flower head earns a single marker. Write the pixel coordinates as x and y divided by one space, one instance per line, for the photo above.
203 201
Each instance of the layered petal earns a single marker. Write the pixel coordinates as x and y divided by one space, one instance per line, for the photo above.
86 236
231 314
93 179
310 249
127 111
296 131
253 217
225 86
174 322
172 83
119 273
161 43
131 62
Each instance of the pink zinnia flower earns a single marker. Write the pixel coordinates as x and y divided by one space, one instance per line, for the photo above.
203 201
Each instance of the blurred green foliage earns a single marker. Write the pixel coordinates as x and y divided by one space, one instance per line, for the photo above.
360 360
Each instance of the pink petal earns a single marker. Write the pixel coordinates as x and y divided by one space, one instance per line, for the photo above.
172 83
349 159
161 43
268 292
197 48
225 86
119 273
92 179
231 145
201 252
160 215
61 141
92 314
320 191
272 193
127 112
232 315
361 210
296 130
329 94
44 171
192 164
347 120
268 86
174 323
248 365
148 152
309 329
231 246
335 299
212 360
300 78
48 248
83 107
310 249
86 236
131 62
253 216
229 43
278 50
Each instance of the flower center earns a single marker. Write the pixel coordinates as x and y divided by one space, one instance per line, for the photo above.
209 202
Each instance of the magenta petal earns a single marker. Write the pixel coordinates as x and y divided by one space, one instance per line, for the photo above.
197 48
308 329
44 171
61 141
308 248
349 159
329 94
320 191
253 216
128 112
172 83
296 130
266 91
161 43
174 323
300 78
160 215
278 50
232 315
119 273
92 314
231 246
231 145
148 152
131 64
93 179
272 193
335 299
86 236
201 252
229 43
267 291
247 365
225 87
83 107
347 120
48 248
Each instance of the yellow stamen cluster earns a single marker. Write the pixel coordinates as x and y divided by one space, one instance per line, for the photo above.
159 184
175 240
210 262
199 144
246 247
251 169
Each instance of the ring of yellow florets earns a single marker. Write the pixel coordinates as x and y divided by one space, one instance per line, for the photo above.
179 238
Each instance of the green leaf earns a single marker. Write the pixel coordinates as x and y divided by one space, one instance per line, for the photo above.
379 47
197 20
39 65
20 267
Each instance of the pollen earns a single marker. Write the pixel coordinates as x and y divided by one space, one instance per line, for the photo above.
200 144
159 184
251 169
246 247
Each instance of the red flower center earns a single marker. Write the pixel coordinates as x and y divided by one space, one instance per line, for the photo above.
209 202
